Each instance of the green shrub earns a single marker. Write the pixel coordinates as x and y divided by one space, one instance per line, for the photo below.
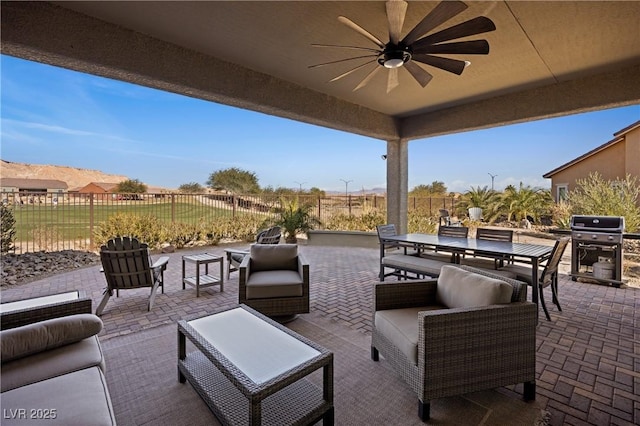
149 229
181 234
561 214
146 228
7 228
419 221
596 196
365 222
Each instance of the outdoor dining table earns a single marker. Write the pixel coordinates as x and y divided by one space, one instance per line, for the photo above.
532 254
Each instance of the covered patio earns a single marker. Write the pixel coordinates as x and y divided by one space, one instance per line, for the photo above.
546 59
588 367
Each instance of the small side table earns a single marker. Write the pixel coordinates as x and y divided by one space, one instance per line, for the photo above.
204 280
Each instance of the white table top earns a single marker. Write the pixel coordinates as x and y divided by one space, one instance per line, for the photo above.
258 349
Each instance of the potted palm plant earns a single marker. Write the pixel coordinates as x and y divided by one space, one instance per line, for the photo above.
295 218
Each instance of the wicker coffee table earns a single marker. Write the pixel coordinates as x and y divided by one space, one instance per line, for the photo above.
250 370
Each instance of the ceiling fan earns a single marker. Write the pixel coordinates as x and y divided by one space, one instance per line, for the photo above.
416 47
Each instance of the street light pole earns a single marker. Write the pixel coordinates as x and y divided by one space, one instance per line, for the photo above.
300 183
346 187
492 178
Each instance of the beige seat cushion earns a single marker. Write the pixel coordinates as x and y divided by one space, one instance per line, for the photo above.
414 263
400 327
41 336
51 363
268 257
80 398
458 288
267 284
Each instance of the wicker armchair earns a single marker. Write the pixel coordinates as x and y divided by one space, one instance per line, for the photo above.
459 349
274 280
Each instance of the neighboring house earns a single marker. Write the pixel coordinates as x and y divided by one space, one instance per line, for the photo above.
101 190
613 160
32 185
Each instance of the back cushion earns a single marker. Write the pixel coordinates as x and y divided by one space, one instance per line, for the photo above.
40 336
458 288
266 257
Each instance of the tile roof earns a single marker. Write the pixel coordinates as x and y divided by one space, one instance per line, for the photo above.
32 183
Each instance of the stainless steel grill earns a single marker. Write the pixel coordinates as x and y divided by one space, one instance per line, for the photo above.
596 248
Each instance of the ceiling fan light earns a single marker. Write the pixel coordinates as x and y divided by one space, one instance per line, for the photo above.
393 58
393 63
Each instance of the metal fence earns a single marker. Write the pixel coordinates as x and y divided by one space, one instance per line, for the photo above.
67 221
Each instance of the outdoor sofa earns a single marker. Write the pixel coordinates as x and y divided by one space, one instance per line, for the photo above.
53 372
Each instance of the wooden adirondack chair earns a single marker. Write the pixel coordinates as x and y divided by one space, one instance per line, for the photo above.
127 265
234 256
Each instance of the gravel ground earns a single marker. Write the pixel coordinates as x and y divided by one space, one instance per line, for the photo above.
24 268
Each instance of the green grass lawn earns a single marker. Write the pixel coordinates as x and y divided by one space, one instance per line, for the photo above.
75 221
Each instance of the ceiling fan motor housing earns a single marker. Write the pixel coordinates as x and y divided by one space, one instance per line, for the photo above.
394 56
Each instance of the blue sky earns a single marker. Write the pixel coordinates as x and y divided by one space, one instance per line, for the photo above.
55 116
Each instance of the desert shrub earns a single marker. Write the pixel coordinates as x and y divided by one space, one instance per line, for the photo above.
596 196
419 221
46 236
7 228
365 222
183 234
238 228
146 228
561 214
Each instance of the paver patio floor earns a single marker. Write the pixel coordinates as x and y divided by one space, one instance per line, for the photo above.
588 359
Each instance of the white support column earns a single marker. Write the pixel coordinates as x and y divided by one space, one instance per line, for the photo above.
397 183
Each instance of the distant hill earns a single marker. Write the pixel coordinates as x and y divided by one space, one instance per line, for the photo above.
74 177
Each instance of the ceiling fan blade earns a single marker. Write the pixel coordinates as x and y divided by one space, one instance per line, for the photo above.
451 65
474 26
475 47
369 49
392 79
396 10
342 60
367 78
349 23
344 74
444 11
421 76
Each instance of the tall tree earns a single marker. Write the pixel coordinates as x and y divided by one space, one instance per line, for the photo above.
435 188
191 188
131 186
234 180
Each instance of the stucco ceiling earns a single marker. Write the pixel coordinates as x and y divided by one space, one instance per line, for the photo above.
546 58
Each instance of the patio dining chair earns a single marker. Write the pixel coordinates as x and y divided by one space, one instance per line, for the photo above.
127 265
445 218
446 231
489 234
547 277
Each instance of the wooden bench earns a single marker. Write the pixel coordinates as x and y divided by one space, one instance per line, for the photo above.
403 263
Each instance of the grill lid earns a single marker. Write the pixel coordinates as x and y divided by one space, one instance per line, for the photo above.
611 224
